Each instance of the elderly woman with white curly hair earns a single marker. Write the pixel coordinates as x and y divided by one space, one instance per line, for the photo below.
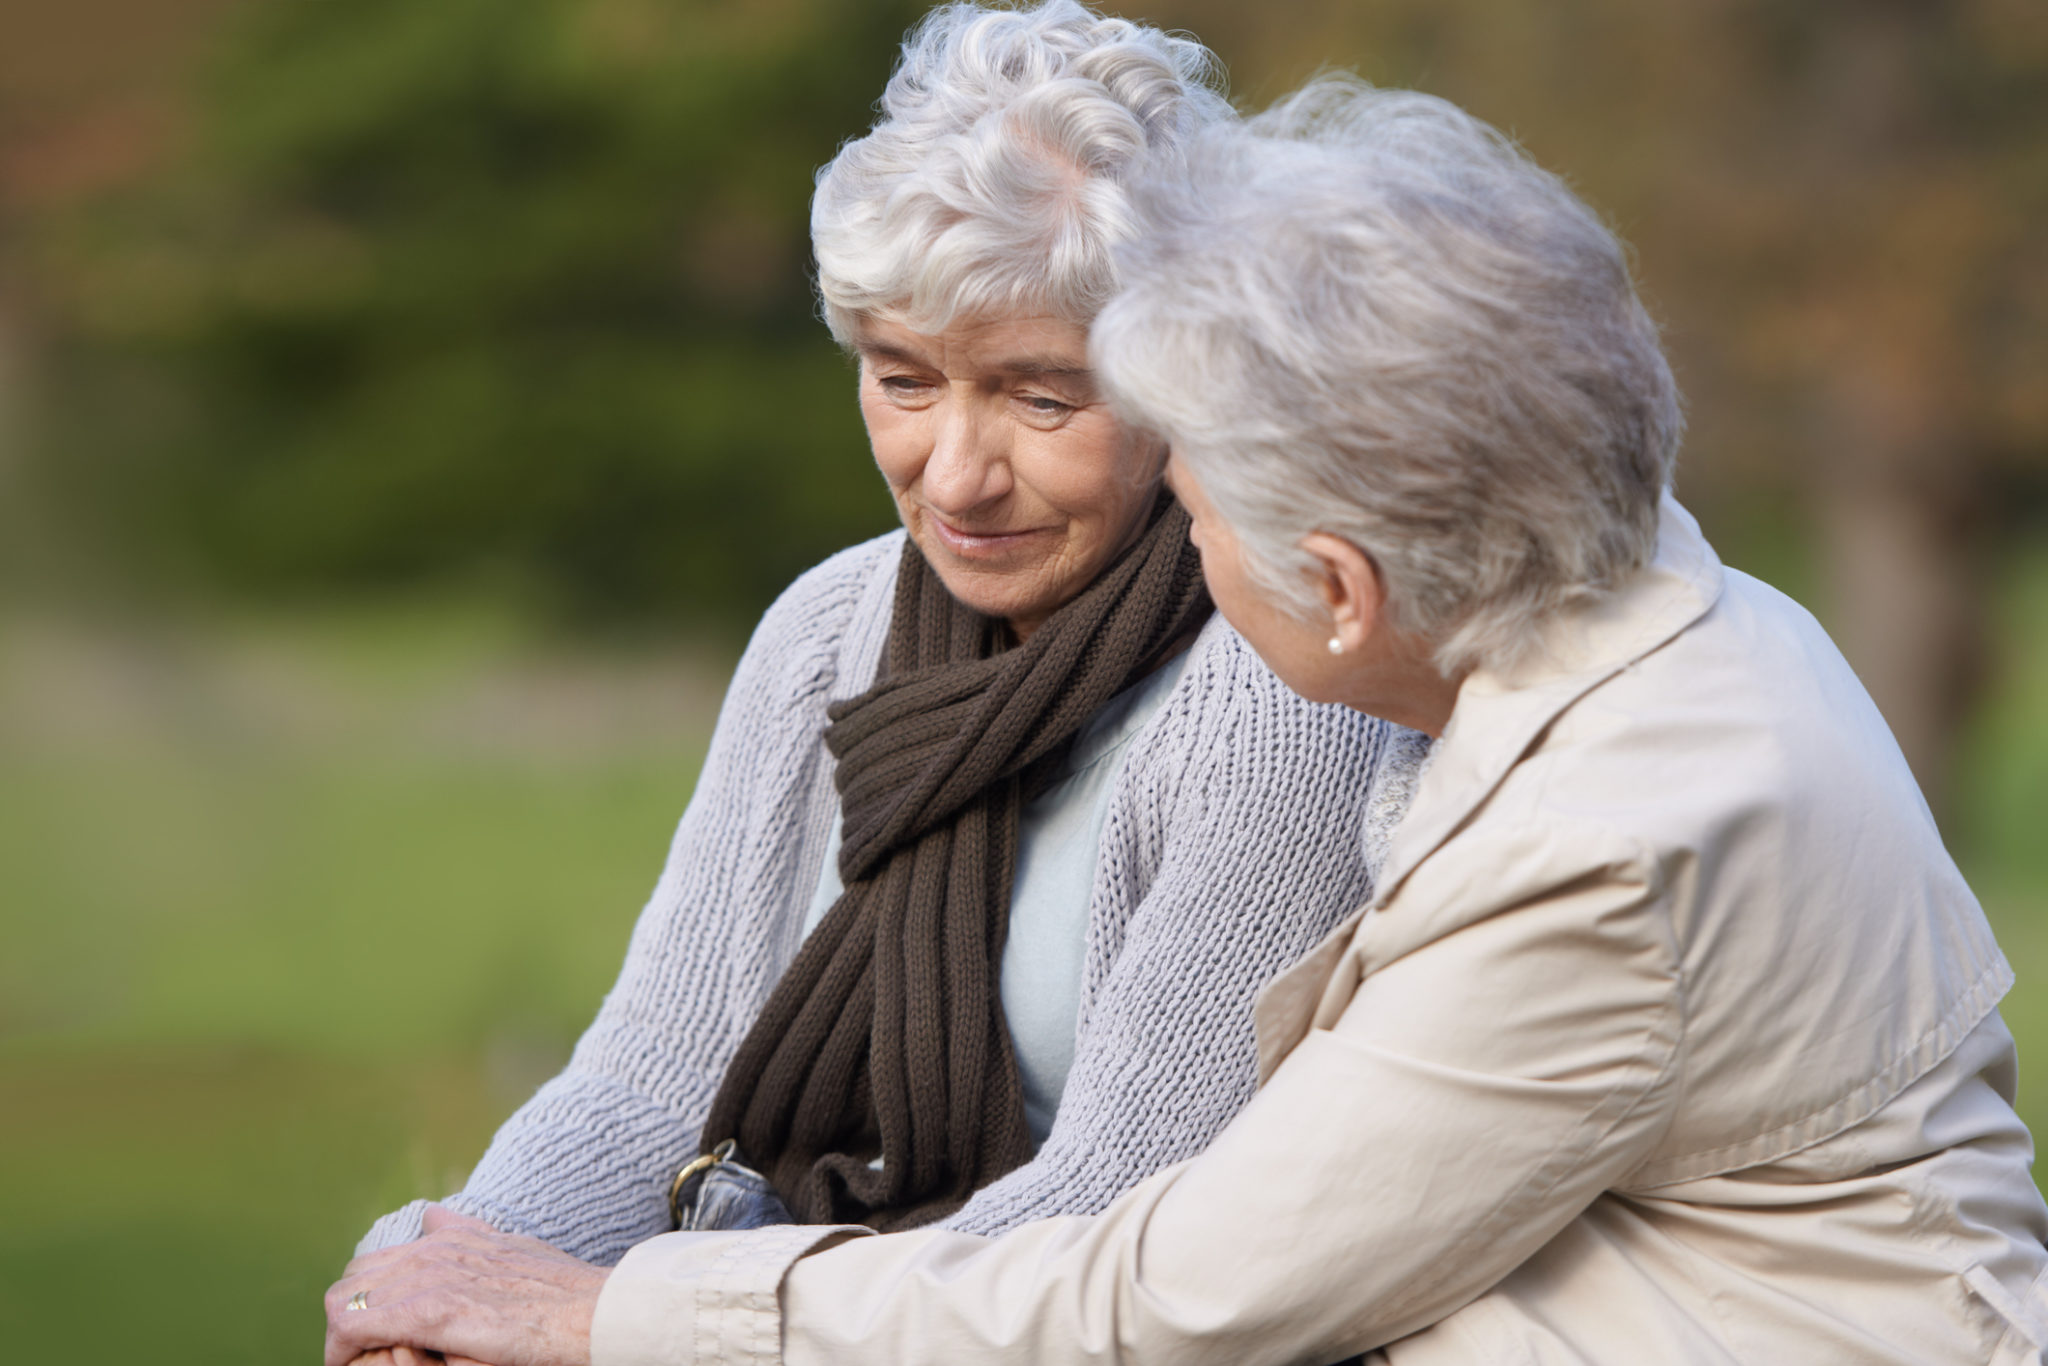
1670 1033
1001 829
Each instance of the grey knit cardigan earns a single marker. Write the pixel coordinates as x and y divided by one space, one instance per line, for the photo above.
1245 823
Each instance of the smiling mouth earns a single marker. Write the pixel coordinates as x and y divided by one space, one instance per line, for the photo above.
962 542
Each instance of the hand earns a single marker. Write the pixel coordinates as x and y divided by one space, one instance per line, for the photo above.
469 1292
406 1356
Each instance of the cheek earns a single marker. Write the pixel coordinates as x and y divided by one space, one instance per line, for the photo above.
1289 648
893 437
1230 592
1098 477
1219 572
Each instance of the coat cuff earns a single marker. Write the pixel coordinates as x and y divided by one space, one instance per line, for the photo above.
685 1298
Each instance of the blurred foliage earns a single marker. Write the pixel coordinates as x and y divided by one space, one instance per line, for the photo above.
516 290
502 289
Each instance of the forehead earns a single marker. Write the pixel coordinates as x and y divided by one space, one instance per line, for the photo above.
1052 346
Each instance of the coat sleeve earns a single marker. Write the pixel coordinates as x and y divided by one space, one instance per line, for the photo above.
585 1163
1474 1095
1232 846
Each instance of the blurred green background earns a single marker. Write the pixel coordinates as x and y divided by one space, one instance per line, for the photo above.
406 405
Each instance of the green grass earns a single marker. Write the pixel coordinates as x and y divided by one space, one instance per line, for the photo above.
293 920
2020 915
357 906
295 916
2002 797
190 1204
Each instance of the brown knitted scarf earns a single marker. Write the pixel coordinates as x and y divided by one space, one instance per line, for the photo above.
886 1036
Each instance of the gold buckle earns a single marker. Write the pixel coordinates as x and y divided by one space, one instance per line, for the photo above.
690 1169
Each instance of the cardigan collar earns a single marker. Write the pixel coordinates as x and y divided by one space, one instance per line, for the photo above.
1499 716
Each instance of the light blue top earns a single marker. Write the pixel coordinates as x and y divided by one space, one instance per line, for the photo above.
1058 835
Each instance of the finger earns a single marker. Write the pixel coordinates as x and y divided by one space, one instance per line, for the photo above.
438 1217
446 1229
401 1340
342 1293
379 1274
391 1263
396 1356
387 1316
383 1256
338 1354
366 1332
363 1348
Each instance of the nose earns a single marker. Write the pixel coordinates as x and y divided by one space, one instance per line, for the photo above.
969 465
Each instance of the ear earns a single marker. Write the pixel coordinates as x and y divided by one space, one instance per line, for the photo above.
1350 586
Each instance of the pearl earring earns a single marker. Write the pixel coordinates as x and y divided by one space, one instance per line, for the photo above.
1336 646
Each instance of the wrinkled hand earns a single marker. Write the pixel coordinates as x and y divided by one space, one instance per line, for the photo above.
406 1356
469 1292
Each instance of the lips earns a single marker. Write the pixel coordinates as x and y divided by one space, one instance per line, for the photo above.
975 543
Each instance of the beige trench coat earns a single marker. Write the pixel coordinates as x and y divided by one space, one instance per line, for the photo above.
1671 1037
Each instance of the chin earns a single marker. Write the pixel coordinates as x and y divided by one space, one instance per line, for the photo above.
1308 675
993 593
1308 688
994 590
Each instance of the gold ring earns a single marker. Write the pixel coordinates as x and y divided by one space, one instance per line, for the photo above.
359 1300
723 1152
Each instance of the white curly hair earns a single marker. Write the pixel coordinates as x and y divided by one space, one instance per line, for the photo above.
995 182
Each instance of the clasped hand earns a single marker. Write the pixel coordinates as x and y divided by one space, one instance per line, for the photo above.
464 1291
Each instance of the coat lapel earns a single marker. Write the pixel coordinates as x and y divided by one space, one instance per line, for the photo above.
1499 718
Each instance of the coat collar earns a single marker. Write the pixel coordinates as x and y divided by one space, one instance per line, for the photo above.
1498 716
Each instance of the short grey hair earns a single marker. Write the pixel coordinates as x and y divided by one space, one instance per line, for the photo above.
1367 313
995 181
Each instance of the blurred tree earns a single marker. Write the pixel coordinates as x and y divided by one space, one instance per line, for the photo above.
497 287
1910 136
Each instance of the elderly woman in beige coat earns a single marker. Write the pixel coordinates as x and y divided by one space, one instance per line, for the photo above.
1670 1034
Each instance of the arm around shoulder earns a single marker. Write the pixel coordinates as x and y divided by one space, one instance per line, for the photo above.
1453 1115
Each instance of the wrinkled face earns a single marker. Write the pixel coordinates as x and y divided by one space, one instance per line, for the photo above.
1293 649
1006 466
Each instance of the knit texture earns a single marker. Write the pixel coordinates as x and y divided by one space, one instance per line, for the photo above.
885 1038
1236 838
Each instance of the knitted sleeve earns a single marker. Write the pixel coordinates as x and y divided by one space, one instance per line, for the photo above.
585 1163
1246 823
